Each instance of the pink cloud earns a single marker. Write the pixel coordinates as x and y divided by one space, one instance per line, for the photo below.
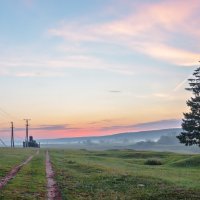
168 53
61 131
149 30
37 66
28 3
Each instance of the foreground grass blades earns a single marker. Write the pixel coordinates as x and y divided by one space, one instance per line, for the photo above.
29 183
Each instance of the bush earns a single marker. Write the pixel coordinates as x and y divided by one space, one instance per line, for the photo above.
153 161
71 162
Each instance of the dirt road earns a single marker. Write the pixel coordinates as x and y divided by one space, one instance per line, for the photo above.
52 188
14 171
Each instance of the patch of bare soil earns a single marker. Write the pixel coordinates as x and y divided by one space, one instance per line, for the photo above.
52 188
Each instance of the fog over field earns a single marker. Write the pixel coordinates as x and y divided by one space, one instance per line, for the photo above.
157 140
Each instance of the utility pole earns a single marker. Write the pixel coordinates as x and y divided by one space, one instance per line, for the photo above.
27 125
12 136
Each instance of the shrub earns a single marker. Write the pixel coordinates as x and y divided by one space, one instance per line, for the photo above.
71 162
153 161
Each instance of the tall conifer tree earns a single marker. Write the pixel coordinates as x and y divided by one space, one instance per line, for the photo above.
191 121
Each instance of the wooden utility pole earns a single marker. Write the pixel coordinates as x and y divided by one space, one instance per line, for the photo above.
12 136
27 125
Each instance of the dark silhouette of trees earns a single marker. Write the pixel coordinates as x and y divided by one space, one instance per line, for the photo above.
191 122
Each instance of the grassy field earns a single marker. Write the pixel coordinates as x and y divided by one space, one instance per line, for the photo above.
125 174
109 175
12 157
30 182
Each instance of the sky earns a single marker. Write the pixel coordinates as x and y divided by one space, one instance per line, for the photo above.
95 67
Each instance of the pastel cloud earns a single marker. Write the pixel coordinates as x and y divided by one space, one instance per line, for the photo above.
42 131
28 3
67 130
53 67
149 30
171 54
56 127
155 125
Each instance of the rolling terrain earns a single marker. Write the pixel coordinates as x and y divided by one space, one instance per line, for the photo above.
117 138
110 174
155 140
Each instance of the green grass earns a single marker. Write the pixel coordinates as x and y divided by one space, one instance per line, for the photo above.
106 175
193 161
12 157
123 174
29 183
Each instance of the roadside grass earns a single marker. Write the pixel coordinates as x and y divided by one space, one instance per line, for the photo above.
29 183
12 157
123 174
193 161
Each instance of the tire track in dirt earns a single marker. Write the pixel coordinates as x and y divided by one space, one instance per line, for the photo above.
14 171
52 188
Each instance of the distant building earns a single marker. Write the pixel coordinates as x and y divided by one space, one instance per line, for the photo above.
31 143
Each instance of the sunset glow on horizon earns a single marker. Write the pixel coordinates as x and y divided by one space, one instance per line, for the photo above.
90 68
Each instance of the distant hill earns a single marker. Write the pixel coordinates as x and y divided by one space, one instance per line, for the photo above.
132 137
155 140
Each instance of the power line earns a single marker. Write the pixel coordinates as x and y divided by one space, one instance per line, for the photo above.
3 116
4 112
7 115
19 137
3 142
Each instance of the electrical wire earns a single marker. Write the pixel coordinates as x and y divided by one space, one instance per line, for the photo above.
3 142
7 115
